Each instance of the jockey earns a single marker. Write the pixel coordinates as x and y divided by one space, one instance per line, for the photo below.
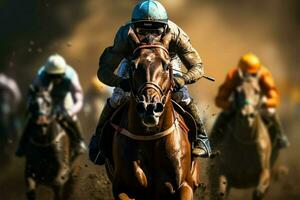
65 81
249 64
150 23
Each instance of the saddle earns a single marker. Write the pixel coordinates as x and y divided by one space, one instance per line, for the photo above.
119 118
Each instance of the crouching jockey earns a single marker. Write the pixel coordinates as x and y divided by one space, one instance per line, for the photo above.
65 80
249 65
150 23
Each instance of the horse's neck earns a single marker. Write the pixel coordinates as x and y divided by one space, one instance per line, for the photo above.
165 121
46 133
243 132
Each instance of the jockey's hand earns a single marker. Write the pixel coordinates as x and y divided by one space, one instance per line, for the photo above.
125 85
179 82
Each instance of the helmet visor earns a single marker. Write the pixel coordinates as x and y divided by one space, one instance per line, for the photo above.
146 31
144 28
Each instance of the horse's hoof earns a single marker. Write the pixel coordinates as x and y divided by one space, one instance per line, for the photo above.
258 195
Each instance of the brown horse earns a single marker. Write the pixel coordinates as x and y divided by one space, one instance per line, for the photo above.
151 154
245 150
49 158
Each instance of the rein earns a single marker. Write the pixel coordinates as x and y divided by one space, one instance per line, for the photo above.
151 84
150 46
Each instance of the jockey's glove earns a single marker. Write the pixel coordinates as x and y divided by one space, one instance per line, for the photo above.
179 82
125 85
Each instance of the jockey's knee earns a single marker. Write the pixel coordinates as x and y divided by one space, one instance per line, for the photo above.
182 97
118 97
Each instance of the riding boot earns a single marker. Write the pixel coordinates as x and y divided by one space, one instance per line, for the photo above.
201 145
23 144
75 133
96 151
276 133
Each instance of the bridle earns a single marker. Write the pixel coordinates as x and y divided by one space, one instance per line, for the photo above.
150 46
152 85
149 85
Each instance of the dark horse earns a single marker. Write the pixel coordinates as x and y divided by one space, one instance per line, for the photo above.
246 155
49 158
151 152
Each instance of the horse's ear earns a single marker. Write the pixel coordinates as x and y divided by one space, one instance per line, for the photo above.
167 38
133 38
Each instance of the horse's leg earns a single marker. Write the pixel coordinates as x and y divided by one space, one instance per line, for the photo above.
118 193
58 192
196 172
30 188
218 183
265 175
219 187
68 189
223 186
71 183
185 192
264 182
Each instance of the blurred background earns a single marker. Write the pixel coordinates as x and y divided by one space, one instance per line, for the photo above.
221 31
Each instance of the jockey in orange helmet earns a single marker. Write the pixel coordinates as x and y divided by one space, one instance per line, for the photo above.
250 64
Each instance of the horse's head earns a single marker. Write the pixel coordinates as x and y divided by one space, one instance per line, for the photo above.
247 99
151 80
40 105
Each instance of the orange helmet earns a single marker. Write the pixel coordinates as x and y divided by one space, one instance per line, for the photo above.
249 63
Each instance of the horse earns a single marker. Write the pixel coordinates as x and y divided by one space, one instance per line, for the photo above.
49 158
246 156
150 156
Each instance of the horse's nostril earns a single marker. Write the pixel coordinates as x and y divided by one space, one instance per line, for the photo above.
252 115
159 107
141 107
150 107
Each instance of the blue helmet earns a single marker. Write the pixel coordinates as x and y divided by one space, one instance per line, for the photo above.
149 11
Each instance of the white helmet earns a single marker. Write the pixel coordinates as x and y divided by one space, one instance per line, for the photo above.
55 64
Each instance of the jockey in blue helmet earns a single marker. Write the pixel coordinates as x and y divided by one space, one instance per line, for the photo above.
150 23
